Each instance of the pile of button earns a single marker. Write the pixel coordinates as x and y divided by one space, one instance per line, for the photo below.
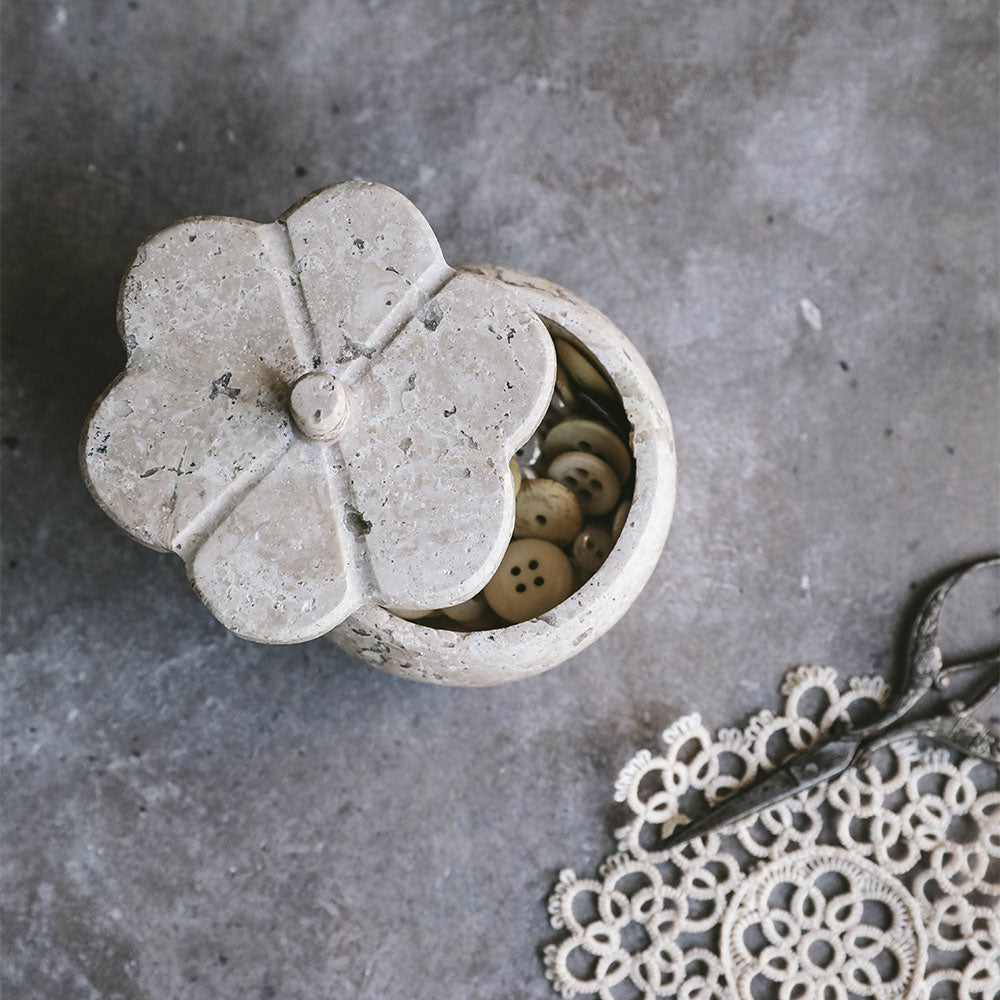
573 481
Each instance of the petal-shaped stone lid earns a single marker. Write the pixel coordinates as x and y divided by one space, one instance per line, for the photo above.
317 413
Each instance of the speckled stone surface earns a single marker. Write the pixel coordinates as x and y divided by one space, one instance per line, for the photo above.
238 334
190 815
498 656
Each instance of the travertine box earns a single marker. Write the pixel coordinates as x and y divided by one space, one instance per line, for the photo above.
318 415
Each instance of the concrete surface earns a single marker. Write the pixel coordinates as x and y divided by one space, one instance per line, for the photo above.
190 815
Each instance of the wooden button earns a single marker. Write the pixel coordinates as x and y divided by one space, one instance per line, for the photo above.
581 370
547 509
591 548
515 471
533 578
621 519
591 478
589 435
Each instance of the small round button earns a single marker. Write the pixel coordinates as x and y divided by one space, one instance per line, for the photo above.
591 548
589 435
471 612
581 370
591 478
547 509
515 471
320 405
533 578
621 519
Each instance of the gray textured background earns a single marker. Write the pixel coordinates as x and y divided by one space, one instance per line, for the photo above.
190 815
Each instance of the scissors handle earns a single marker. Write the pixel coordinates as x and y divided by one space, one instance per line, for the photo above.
924 665
960 732
957 727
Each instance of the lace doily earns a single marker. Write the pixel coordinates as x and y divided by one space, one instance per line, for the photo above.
883 883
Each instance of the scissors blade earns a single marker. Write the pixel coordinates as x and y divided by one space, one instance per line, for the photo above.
802 772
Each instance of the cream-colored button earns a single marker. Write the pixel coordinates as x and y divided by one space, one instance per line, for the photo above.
533 578
621 519
580 369
547 509
591 478
589 435
515 471
470 611
591 548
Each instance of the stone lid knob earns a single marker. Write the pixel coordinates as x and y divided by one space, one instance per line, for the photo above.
320 405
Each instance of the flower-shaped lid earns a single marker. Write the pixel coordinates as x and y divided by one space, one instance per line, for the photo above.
317 413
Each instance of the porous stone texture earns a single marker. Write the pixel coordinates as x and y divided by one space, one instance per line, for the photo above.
289 510
190 815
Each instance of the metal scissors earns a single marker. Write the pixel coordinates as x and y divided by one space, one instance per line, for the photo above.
924 668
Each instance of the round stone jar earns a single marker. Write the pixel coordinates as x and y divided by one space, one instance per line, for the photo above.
318 416
411 649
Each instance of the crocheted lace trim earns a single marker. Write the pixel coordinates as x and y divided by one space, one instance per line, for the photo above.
883 882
